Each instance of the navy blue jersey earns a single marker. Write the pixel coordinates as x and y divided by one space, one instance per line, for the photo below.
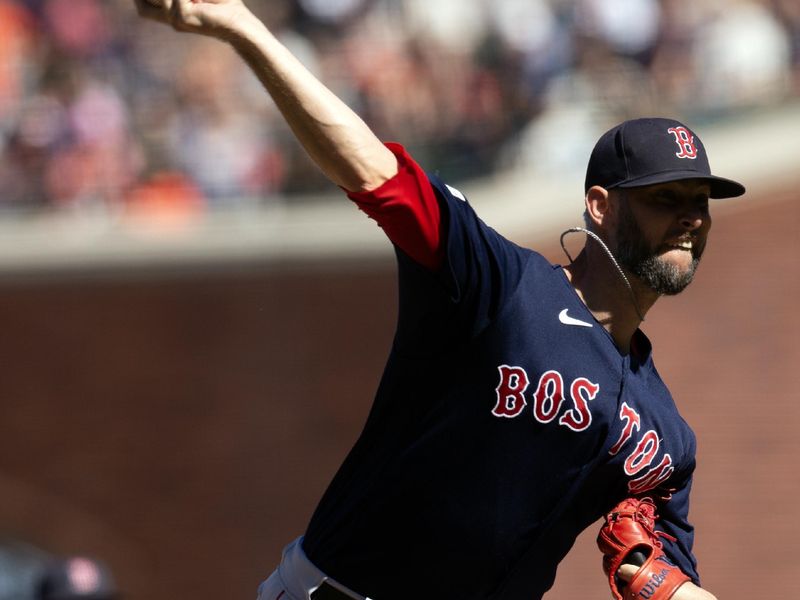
505 423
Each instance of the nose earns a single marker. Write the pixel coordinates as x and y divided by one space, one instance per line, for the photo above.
694 218
691 223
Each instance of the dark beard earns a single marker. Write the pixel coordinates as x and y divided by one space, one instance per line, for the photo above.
636 257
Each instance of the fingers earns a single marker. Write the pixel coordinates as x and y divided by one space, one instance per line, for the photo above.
156 10
626 572
177 13
222 19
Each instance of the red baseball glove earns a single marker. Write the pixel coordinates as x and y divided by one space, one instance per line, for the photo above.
629 533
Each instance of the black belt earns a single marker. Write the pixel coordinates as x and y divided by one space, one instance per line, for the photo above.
328 592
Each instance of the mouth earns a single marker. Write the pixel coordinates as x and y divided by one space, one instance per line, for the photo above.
687 245
682 250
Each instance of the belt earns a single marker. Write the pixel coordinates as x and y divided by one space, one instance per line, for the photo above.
329 590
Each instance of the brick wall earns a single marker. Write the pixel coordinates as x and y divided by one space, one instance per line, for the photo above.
183 426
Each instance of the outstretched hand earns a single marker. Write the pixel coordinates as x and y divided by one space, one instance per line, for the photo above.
216 18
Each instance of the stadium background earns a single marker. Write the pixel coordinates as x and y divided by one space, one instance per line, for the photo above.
194 322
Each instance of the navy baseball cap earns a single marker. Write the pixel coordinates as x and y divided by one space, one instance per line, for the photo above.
653 150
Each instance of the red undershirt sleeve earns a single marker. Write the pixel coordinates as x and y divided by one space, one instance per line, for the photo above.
407 209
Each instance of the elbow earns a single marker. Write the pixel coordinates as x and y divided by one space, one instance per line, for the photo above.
365 184
371 173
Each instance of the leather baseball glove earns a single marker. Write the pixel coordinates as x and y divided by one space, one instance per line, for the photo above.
629 536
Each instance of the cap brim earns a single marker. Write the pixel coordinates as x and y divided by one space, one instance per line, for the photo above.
720 187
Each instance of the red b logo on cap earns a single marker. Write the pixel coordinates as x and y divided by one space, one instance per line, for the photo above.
685 141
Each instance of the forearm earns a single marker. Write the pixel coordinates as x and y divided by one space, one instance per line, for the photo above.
338 141
689 591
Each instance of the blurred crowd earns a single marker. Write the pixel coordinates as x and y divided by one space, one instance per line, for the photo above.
102 112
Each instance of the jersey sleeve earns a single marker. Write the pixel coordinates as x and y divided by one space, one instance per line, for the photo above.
673 520
407 210
455 271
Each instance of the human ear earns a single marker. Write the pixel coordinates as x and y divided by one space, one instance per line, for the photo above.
598 206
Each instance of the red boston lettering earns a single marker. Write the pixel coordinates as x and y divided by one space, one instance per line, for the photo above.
548 396
579 418
653 477
632 419
510 390
643 454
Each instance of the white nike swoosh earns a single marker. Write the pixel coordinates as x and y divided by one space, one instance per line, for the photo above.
567 320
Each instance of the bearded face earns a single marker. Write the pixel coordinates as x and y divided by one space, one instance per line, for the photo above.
649 260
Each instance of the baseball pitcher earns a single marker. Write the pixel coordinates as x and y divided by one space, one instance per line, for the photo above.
520 402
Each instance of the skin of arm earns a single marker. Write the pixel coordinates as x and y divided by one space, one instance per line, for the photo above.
337 139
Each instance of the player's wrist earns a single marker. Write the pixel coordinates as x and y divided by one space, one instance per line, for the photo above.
241 28
254 41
